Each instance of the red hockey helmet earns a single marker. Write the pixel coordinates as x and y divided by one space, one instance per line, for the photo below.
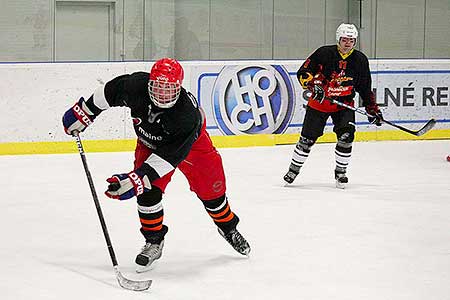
165 82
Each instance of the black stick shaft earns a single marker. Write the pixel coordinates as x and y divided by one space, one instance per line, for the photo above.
422 131
95 197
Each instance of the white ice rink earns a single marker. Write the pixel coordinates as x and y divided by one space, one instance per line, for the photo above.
387 236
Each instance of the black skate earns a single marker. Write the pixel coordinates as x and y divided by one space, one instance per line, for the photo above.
341 179
149 253
236 240
291 174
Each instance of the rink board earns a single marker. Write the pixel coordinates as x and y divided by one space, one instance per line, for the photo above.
247 103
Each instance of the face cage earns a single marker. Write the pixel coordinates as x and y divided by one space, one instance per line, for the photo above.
346 31
347 37
163 94
339 42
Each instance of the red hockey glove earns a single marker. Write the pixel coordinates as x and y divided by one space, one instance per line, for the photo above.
77 118
125 186
376 115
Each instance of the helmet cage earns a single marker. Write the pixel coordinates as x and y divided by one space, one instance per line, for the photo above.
164 94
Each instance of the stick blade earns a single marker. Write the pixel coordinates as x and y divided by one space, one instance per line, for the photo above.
427 127
132 285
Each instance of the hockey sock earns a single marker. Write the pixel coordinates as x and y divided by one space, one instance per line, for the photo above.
301 153
343 153
220 212
151 215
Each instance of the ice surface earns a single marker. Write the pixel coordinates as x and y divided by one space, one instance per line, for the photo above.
387 236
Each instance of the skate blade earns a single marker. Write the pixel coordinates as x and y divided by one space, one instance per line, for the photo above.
246 252
142 269
286 184
340 185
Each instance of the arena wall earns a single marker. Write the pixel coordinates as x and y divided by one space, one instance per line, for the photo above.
247 103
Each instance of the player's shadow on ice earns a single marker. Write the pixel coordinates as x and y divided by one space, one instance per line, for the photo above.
189 265
82 269
329 186
167 269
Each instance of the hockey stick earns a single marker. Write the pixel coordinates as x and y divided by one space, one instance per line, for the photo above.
123 282
425 128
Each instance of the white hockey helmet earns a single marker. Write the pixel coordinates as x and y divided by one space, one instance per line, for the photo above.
346 30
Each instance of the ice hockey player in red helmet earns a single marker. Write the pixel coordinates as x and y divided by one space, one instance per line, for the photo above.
336 71
165 81
171 133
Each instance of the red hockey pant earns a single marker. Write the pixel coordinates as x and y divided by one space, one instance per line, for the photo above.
202 167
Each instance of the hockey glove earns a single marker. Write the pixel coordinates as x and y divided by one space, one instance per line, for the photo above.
317 87
77 118
125 186
376 115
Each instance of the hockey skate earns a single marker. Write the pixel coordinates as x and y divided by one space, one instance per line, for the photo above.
149 253
236 240
341 179
291 174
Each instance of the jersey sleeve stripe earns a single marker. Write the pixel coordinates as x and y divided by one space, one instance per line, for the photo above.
161 166
100 99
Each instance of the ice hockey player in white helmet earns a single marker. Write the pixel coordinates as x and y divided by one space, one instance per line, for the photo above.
347 31
335 72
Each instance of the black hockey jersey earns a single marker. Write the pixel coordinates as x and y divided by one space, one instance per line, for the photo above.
169 132
350 72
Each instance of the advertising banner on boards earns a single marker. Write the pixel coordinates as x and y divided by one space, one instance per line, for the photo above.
266 98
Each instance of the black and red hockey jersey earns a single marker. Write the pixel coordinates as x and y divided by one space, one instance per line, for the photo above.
345 75
169 132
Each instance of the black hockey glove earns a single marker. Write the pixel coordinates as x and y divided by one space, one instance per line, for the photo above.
318 93
317 87
376 115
